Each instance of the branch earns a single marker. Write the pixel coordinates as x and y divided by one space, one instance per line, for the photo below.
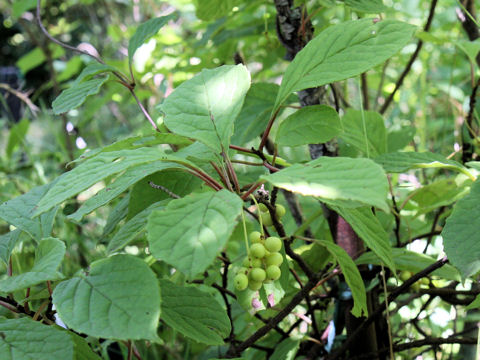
393 295
411 61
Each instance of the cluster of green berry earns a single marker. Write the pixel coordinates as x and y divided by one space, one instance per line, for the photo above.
262 264
265 215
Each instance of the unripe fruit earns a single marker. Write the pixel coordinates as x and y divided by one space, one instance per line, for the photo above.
279 210
255 237
266 219
257 250
256 263
273 272
263 207
246 262
258 274
242 270
274 258
241 281
254 285
273 244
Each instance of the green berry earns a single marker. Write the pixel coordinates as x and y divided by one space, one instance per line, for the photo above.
241 281
255 237
274 258
258 274
273 272
263 208
266 219
246 262
273 244
256 263
242 270
254 285
279 210
257 250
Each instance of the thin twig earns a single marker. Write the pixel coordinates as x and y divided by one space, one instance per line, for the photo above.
164 189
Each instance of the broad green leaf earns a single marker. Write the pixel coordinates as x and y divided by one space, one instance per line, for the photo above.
178 182
36 57
461 239
96 169
136 142
440 193
72 68
20 6
126 298
398 139
253 117
403 161
407 260
343 51
145 31
7 244
75 95
123 182
474 304
25 339
48 256
19 212
365 130
81 349
17 135
132 228
194 313
367 6
470 48
352 277
202 225
286 350
338 179
93 69
116 215
309 125
205 107
213 9
368 228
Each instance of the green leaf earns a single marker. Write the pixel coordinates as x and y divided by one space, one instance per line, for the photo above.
194 313
206 106
343 51
126 298
37 57
25 339
474 304
202 224
403 161
75 95
20 6
145 31
143 195
352 277
345 179
48 256
407 260
365 130
460 233
93 69
368 228
309 125
7 244
116 215
470 48
398 139
19 212
124 181
213 9
17 135
82 349
440 193
132 228
95 169
286 350
253 117
367 6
